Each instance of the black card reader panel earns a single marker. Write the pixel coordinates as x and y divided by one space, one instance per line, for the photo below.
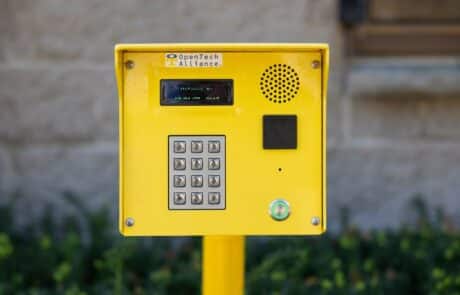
280 131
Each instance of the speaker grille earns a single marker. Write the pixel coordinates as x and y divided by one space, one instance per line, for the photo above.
279 83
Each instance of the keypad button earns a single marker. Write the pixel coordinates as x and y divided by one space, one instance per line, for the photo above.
179 180
179 198
213 146
197 163
214 198
197 198
214 180
197 180
197 146
179 146
179 163
213 163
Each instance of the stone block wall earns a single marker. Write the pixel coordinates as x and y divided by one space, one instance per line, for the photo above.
392 123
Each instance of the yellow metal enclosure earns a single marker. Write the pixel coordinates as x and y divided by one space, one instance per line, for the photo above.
264 84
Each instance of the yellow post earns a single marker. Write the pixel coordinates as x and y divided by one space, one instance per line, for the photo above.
223 265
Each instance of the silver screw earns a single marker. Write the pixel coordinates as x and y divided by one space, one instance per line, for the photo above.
315 220
316 64
129 64
129 221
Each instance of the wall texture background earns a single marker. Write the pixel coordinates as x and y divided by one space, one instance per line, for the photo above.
393 122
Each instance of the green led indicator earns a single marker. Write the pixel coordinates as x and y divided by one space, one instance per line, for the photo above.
279 210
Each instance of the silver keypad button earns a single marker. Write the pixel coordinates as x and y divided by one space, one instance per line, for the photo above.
179 163
179 146
214 180
179 198
196 198
213 163
197 163
214 198
213 146
197 146
179 180
197 180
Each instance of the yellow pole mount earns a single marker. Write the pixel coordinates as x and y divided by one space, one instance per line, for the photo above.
223 265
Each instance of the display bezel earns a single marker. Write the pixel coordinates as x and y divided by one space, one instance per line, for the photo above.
168 101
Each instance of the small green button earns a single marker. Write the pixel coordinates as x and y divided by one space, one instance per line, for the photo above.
279 209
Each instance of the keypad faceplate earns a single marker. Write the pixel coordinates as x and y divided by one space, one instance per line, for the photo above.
196 172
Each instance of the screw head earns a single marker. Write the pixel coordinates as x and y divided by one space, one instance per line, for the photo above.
315 220
279 209
129 64
129 221
315 64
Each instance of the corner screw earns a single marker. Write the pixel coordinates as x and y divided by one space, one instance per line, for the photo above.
315 64
129 221
129 64
315 220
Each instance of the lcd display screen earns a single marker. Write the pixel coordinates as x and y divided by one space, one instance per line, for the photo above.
196 92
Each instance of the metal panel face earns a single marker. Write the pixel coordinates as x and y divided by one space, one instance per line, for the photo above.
158 180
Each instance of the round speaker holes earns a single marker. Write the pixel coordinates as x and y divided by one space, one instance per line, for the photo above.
279 83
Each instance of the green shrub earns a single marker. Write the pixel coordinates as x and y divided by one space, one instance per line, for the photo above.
88 256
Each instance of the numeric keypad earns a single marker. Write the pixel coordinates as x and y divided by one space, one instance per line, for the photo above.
196 172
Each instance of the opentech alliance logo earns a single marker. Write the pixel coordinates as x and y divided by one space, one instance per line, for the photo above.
193 60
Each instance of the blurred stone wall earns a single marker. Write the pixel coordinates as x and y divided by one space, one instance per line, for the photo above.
393 123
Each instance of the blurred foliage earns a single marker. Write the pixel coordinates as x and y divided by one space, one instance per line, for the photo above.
87 256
